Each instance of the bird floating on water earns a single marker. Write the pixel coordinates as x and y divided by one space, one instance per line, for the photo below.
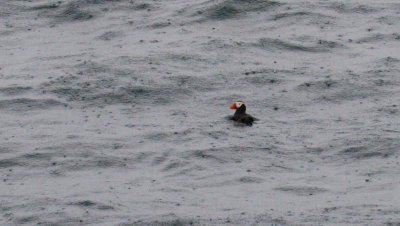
240 114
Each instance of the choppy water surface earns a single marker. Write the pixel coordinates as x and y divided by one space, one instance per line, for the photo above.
114 112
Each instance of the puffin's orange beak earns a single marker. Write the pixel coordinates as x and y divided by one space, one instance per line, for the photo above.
233 106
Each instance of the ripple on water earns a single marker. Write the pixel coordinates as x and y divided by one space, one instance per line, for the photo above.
341 7
301 15
26 104
318 46
109 35
91 204
301 190
339 90
15 90
71 11
230 9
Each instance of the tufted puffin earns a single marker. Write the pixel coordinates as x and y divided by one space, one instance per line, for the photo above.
240 114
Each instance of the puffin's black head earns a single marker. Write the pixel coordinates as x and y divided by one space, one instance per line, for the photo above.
239 107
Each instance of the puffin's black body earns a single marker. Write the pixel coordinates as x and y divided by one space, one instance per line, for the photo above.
240 114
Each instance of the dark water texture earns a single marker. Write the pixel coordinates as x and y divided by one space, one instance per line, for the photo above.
115 112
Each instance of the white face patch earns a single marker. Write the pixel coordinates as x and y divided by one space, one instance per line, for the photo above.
239 104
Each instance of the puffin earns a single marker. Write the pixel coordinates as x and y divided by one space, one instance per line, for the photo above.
240 114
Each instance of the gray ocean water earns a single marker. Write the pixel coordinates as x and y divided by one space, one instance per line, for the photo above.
114 112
